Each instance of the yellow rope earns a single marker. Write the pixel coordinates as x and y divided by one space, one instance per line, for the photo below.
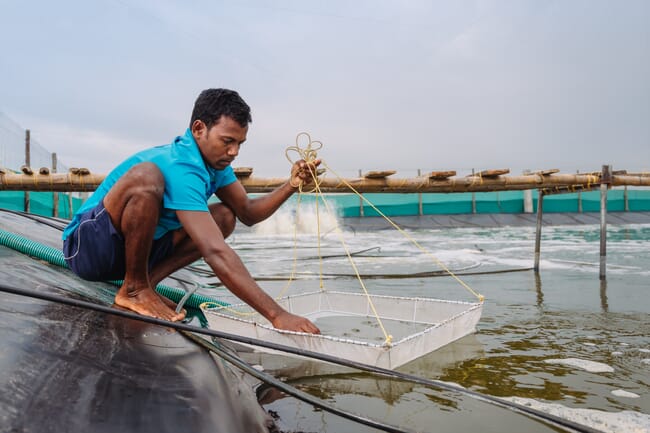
409 237
309 154
388 338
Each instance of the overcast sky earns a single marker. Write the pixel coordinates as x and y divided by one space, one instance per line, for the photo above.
403 85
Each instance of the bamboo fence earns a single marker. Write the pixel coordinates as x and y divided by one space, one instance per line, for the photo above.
82 180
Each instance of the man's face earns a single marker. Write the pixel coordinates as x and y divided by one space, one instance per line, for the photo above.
219 145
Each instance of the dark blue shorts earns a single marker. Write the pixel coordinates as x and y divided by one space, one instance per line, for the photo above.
95 250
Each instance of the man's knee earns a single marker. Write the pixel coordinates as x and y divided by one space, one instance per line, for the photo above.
141 180
224 217
147 178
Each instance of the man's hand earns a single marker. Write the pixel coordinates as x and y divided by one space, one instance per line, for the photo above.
292 322
303 173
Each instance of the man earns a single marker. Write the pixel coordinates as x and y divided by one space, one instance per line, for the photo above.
150 216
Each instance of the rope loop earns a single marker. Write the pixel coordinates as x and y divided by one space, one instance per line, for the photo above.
308 153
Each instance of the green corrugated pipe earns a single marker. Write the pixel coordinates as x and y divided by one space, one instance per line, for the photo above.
55 257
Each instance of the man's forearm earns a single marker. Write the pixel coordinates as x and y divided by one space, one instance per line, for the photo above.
234 275
263 207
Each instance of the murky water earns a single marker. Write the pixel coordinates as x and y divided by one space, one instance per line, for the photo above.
562 339
366 328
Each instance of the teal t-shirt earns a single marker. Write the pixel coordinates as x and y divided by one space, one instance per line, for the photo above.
189 182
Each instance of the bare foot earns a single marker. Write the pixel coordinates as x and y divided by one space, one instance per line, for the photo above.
146 302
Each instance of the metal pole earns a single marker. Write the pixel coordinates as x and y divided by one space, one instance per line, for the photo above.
420 207
579 198
605 181
70 207
538 231
360 200
528 198
626 199
55 195
27 163
473 197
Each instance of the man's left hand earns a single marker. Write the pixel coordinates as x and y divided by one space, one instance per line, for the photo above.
292 322
303 173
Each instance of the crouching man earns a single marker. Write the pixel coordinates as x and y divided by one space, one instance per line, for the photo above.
150 216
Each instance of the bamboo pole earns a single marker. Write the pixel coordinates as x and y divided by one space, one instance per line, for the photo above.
49 182
81 180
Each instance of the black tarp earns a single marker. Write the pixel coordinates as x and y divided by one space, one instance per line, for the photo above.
63 369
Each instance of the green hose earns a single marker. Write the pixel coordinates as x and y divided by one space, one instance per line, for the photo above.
55 257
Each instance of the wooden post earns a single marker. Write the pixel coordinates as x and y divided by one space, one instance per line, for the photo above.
360 199
605 181
473 198
27 163
55 195
420 207
538 231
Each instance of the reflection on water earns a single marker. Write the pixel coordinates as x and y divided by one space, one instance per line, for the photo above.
603 295
563 312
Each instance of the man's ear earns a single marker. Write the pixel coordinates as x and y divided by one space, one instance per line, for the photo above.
198 126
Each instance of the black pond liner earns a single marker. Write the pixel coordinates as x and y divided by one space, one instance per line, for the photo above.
63 369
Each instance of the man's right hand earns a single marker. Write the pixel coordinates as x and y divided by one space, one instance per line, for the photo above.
292 322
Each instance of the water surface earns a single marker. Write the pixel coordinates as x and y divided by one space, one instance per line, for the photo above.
531 324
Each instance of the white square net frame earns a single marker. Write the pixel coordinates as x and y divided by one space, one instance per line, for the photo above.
444 322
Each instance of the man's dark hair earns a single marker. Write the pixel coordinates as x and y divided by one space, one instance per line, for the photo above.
214 103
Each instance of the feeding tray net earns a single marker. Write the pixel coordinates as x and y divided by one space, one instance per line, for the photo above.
349 326
384 331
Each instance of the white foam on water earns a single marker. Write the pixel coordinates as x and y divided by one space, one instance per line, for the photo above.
623 393
307 220
644 350
645 361
589 344
614 422
617 353
590 366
